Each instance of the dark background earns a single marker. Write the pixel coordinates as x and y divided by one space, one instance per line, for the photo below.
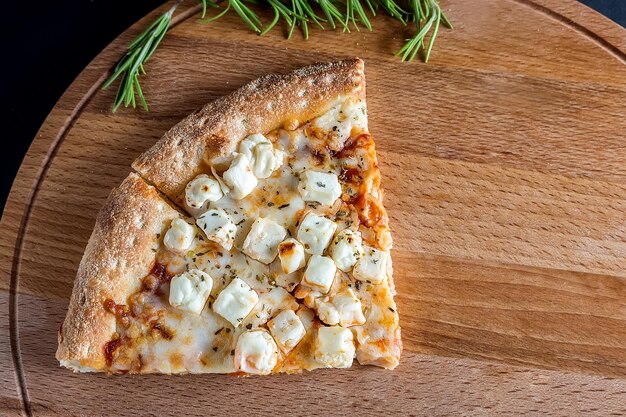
48 43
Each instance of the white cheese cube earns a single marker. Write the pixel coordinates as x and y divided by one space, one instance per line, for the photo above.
247 145
327 312
319 273
239 177
340 121
334 347
318 186
372 266
315 233
346 249
225 189
190 290
335 124
270 304
202 189
343 308
287 330
256 352
279 299
218 227
235 301
179 236
263 239
306 316
287 281
264 159
291 254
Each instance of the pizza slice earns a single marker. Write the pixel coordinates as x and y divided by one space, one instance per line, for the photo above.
281 262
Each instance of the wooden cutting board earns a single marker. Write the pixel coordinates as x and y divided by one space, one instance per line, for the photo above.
504 163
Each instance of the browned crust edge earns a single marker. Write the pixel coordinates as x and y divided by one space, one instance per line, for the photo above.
258 107
118 256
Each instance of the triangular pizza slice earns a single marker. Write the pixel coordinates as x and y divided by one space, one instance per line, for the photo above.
282 261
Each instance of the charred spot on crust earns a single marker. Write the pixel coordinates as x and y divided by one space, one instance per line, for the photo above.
218 141
82 299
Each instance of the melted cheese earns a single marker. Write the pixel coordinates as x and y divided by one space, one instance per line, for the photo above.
291 254
264 158
218 227
240 178
341 121
262 182
372 266
343 308
321 187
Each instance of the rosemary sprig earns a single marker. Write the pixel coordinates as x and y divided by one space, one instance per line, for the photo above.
394 10
280 10
332 13
304 9
426 15
244 12
353 8
205 5
139 51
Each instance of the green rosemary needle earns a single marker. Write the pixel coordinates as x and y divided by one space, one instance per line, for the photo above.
131 64
429 12
426 15
332 12
244 12
354 7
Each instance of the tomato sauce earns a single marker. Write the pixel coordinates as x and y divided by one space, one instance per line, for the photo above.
121 311
160 271
158 275
351 175
364 140
369 210
109 349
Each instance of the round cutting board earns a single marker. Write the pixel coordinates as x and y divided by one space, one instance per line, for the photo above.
504 165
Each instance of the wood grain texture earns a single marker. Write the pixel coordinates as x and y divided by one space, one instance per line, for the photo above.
504 165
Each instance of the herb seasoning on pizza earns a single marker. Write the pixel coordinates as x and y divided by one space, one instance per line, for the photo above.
276 258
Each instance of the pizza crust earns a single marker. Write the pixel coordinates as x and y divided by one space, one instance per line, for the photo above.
263 105
118 256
